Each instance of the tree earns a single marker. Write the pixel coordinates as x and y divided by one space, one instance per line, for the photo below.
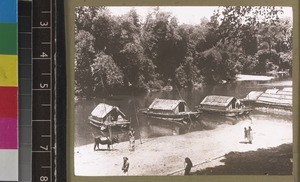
84 55
215 65
162 44
107 75
187 73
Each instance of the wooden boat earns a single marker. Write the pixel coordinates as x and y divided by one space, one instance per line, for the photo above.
271 98
105 115
223 105
170 110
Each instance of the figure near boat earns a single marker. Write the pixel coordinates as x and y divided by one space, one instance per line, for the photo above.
131 134
248 134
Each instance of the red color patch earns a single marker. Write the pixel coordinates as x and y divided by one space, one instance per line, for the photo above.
8 102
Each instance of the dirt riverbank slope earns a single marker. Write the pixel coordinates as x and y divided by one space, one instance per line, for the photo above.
165 155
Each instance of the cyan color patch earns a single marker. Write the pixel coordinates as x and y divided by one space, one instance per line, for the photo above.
8 11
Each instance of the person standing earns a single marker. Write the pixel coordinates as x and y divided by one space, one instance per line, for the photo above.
131 139
125 166
246 134
188 166
250 135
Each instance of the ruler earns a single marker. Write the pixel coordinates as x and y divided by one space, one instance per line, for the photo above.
42 138
43 150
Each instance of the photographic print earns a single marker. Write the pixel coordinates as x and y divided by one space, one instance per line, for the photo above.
190 90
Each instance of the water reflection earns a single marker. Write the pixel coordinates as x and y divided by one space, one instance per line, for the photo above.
146 128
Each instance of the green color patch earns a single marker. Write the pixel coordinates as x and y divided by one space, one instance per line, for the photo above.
8 39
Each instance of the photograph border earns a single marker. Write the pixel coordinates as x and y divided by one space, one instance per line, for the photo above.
70 49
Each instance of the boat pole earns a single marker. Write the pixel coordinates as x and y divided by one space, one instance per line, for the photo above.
136 117
109 126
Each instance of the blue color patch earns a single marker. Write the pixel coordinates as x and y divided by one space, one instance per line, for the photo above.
8 11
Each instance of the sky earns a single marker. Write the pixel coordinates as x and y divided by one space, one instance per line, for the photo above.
184 14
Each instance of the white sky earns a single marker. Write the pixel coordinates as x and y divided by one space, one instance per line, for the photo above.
184 14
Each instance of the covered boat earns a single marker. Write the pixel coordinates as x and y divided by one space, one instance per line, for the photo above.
223 105
105 115
271 98
172 110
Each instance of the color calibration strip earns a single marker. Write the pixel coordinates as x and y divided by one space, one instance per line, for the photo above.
8 91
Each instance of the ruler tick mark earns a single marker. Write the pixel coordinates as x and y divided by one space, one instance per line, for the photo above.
46 11
46 43
46 167
46 105
45 136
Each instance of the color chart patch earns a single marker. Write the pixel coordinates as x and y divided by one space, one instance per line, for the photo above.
8 91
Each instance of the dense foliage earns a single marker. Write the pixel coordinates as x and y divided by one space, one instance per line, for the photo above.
116 53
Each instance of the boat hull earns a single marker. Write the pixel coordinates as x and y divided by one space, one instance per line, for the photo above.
124 124
229 113
182 118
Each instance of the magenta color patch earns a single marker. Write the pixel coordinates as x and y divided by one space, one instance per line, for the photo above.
8 133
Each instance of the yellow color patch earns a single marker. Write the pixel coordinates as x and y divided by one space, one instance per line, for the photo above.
8 70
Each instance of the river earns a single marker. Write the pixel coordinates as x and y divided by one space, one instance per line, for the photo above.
130 104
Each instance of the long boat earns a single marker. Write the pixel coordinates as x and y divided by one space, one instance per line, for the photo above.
104 116
271 98
223 105
170 110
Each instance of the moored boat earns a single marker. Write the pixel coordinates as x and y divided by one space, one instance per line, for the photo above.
223 105
105 115
271 98
170 110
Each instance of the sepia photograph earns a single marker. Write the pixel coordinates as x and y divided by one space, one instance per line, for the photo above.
183 90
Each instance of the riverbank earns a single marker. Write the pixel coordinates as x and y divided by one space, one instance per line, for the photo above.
273 161
165 155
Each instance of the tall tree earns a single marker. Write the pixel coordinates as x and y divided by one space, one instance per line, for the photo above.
84 55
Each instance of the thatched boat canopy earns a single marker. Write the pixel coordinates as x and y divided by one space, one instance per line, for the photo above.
253 95
216 100
272 91
272 97
167 105
103 110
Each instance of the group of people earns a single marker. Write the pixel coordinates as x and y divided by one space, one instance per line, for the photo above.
187 166
187 162
248 134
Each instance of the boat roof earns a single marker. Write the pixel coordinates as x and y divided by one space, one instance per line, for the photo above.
275 98
165 104
287 89
253 95
217 100
272 91
102 109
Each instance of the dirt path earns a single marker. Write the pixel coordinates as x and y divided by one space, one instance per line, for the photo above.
165 155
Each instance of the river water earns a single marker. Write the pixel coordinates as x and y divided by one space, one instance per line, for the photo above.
131 104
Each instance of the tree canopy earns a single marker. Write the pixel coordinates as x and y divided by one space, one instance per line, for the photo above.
114 53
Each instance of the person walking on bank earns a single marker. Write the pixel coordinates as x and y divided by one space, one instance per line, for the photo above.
246 134
125 166
131 139
250 135
188 166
